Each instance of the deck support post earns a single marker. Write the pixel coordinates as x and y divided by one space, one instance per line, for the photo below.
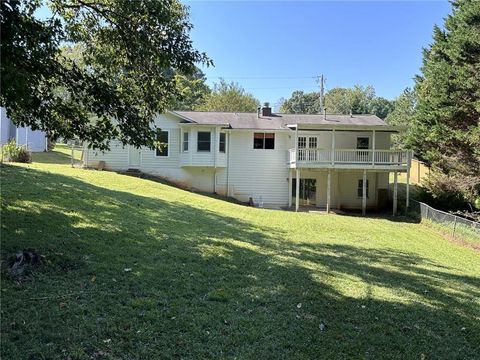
290 188
373 148
364 192
395 192
329 187
296 145
297 189
333 147
407 189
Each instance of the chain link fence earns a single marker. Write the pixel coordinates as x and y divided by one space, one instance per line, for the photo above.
457 226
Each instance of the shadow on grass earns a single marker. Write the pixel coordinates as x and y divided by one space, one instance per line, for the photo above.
128 276
382 214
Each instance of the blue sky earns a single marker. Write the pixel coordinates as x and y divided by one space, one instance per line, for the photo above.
272 48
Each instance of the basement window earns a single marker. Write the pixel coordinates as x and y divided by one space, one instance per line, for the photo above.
360 188
264 141
162 138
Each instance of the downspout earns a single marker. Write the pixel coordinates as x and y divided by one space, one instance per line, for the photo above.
215 161
228 164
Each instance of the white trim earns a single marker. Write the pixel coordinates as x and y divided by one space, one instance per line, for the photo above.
373 147
407 190
364 192
290 182
329 189
297 189
395 192
352 127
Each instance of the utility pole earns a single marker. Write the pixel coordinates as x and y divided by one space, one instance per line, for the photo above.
321 80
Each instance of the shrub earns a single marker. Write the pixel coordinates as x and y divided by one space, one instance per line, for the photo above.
443 192
14 153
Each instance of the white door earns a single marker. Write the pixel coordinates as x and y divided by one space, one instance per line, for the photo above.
134 157
307 146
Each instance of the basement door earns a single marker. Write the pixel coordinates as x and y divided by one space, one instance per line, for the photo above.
134 155
308 191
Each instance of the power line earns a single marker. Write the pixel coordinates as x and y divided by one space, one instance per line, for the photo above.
282 87
267 77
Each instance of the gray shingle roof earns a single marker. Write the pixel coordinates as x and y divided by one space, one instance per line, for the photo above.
276 121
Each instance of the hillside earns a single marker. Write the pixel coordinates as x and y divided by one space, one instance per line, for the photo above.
135 269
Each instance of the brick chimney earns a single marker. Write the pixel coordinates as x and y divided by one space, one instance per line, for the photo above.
266 109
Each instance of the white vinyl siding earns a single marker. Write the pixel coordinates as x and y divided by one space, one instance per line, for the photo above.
115 159
258 173
255 173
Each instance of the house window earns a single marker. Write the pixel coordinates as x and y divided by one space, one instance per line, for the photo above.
360 188
185 142
222 142
302 142
203 141
162 138
363 143
264 141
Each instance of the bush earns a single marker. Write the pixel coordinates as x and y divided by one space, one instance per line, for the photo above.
14 153
444 192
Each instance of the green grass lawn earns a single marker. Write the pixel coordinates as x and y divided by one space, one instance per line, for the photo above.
61 154
135 269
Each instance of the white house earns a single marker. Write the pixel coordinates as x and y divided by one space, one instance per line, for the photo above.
326 161
33 140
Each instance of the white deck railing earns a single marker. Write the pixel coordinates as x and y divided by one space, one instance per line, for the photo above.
348 157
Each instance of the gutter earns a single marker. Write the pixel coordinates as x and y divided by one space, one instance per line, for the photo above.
349 127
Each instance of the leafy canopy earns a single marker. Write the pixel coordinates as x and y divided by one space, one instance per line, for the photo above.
358 100
402 114
193 91
96 69
229 97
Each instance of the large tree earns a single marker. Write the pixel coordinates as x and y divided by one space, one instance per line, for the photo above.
193 91
130 54
229 97
301 103
358 100
402 114
445 130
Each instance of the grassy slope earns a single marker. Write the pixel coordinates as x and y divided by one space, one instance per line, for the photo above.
211 279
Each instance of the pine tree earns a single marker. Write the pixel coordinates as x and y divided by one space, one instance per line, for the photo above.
445 130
